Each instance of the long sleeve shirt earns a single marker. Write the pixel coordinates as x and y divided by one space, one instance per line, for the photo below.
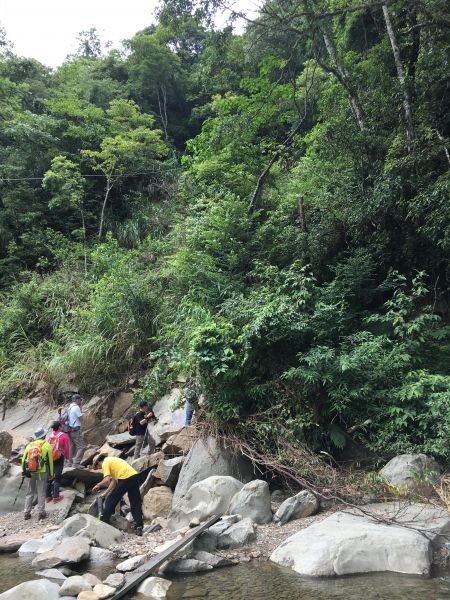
63 440
47 458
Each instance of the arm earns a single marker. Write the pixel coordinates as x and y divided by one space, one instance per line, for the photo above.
24 458
64 445
107 482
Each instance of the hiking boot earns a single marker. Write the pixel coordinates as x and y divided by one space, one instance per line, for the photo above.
48 499
138 531
42 515
27 516
58 498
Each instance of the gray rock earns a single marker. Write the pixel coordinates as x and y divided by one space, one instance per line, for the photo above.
411 472
59 511
37 589
104 591
186 565
6 443
239 534
69 551
253 502
12 543
89 476
169 421
206 541
100 555
115 580
72 586
92 579
157 502
209 458
168 471
211 559
344 543
54 574
204 499
102 534
181 442
119 440
10 480
155 588
303 504
131 563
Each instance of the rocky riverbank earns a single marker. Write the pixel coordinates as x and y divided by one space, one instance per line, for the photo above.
186 480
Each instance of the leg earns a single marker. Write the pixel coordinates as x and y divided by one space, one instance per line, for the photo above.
189 413
31 490
134 497
112 499
48 491
138 446
80 445
151 443
41 485
71 448
58 467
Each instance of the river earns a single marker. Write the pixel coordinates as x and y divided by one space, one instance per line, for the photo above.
261 580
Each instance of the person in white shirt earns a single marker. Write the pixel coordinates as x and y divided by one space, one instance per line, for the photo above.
76 438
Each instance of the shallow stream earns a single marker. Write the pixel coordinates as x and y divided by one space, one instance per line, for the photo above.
265 581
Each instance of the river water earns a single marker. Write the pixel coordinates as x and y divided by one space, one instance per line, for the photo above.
263 580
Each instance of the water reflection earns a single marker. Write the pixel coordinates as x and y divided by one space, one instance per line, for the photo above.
265 581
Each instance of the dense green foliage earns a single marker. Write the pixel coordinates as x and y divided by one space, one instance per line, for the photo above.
266 212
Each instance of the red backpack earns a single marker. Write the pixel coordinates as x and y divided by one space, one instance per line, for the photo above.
53 440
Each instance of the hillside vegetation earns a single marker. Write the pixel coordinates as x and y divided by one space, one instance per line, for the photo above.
267 212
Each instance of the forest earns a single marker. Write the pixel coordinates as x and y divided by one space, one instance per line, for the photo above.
265 211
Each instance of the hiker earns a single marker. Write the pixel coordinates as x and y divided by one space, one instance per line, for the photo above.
191 397
59 441
37 465
120 479
76 438
139 427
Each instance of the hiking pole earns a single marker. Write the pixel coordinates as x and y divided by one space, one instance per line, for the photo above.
18 491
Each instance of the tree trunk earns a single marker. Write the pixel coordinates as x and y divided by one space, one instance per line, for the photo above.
162 104
346 80
102 215
401 78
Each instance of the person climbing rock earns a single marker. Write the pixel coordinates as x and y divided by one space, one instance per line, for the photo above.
119 479
139 428
59 441
37 465
191 397
76 438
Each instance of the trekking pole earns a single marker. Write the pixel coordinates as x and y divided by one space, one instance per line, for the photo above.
18 491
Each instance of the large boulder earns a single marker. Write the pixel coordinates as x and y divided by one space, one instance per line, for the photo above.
303 504
37 589
131 563
186 565
170 421
89 527
157 502
343 544
207 458
119 440
168 471
206 498
6 443
11 543
236 535
411 472
181 442
69 551
10 481
253 502
148 461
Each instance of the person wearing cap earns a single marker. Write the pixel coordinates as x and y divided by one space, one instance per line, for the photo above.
37 479
140 426
76 438
119 479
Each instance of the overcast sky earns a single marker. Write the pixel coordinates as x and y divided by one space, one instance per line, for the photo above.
47 29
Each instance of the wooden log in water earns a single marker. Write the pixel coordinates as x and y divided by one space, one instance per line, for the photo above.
159 559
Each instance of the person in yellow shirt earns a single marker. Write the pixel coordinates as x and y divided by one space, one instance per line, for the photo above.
120 479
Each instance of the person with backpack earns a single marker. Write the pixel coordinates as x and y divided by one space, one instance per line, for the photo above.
138 426
76 438
37 465
59 441
120 479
